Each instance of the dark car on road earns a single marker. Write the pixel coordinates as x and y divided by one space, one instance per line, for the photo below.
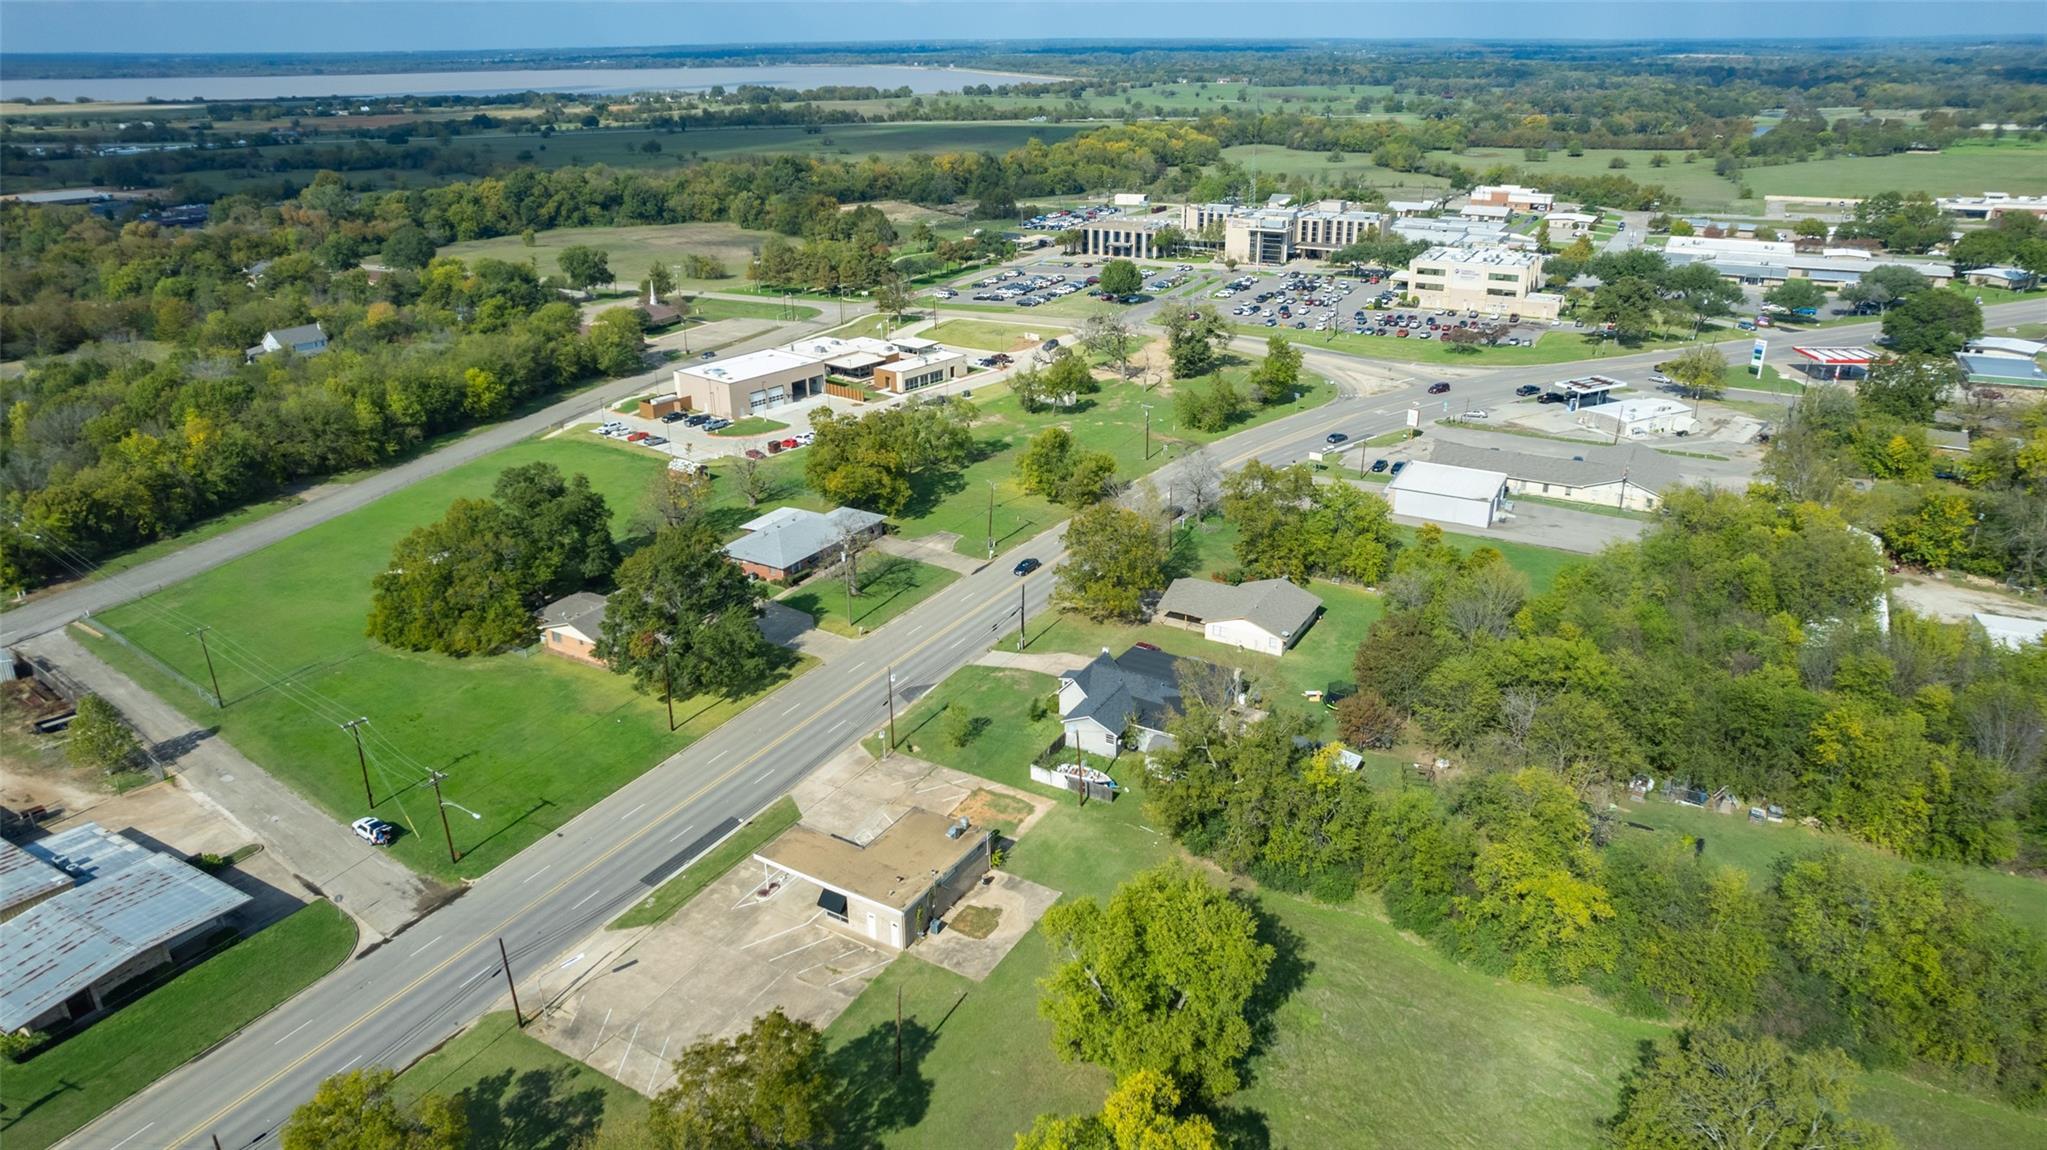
1438 388
1025 567
1336 437
1527 389
1378 465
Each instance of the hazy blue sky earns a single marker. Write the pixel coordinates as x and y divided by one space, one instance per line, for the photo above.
357 25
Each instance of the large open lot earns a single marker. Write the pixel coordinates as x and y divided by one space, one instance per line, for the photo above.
632 250
286 636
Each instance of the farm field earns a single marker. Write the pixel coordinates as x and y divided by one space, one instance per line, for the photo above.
70 1084
1695 183
1971 168
1265 160
294 662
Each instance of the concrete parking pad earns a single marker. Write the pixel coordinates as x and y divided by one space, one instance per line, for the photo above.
1017 904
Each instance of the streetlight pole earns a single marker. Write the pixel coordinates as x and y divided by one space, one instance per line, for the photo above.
440 804
353 728
1147 429
991 519
668 686
891 711
1020 609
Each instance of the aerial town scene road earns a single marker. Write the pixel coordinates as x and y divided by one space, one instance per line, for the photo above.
650 577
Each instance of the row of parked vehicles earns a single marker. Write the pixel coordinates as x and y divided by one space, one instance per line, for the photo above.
613 429
778 446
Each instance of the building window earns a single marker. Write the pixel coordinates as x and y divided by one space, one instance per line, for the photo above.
1503 277
1428 271
1507 292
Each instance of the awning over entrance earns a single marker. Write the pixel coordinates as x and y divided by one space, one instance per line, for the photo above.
832 902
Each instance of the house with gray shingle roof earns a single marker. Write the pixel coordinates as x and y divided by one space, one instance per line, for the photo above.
305 339
788 542
571 625
1264 615
1136 692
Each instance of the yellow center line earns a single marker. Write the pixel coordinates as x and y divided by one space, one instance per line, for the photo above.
196 1132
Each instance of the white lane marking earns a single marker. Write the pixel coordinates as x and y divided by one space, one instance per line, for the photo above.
793 705
349 1063
857 973
535 874
682 832
131 1138
797 949
837 727
600 1033
585 898
780 933
573 961
422 950
715 759
294 1030
630 813
764 774
660 1060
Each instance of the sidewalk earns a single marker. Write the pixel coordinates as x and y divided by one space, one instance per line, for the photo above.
1054 663
381 894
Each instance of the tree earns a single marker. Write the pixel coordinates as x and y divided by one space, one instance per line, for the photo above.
676 497
1114 557
660 282
1885 285
1910 388
1108 335
1068 378
892 298
1538 897
683 616
408 246
584 267
1121 277
1809 228
459 586
1140 1114
1276 378
1796 294
1161 979
615 338
770 1087
1030 389
99 737
1700 370
1046 462
1712 1090
1932 323
1365 721
1192 340
358 1110
1201 481
1091 479
870 461
565 523
1628 306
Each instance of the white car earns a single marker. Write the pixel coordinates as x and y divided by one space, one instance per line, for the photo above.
1658 377
374 831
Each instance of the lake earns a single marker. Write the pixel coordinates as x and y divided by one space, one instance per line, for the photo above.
136 89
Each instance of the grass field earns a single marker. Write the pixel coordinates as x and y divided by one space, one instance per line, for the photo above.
991 335
889 586
1265 160
520 1091
74 1082
674 894
1739 376
1557 345
293 663
752 425
2015 166
632 250
1695 183
706 310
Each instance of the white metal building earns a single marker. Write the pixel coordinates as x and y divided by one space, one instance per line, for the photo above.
1634 418
1467 496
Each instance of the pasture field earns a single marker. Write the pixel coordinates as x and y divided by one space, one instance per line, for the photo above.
631 250
1971 168
1267 160
1695 183
287 640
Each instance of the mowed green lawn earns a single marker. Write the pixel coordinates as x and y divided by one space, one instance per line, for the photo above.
70 1084
528 739
888 586
630 250
1355 166
2015 166
992 335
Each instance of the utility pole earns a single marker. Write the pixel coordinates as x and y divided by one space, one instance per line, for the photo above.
435 777
668 686
354 727
217 703
991 519
1020 616
891 710
1147 429
899 1033
517 1014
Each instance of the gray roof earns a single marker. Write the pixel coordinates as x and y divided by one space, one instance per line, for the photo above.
2003 368
583 610
128 899
25 878
1944 440
303 333
1137 682
789 536
1644 468
1275 606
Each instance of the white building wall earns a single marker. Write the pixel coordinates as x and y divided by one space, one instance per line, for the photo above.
1442 508
1240 633
1092 737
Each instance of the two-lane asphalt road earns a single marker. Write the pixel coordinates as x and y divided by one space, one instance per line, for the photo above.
397 1002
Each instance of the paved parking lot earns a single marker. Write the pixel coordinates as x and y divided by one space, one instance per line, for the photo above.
1360 304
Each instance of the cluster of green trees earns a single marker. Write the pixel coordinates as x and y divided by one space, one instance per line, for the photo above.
1061 381
1869 454
1640 292
1055 467
113 447
1194 344
1291 527
682 621
885 460
470 583
2015 239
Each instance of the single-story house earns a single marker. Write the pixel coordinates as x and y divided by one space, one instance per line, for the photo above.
888 890
305 339
1569 225
570 625
1629 477
108 911
2010 279
788 542
1265 615
1468 496
1138 691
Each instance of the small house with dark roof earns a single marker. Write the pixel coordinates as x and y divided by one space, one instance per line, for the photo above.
1263 615
570 626
1136 692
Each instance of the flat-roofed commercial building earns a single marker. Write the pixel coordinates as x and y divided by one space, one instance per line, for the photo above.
1129 237
1494 281
889 890
747 384
1512 196
1467 496
1991 205
1273 235
912 372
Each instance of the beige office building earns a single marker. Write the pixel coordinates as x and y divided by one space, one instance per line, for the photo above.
1492 281
1126 236
1275 234
748 384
